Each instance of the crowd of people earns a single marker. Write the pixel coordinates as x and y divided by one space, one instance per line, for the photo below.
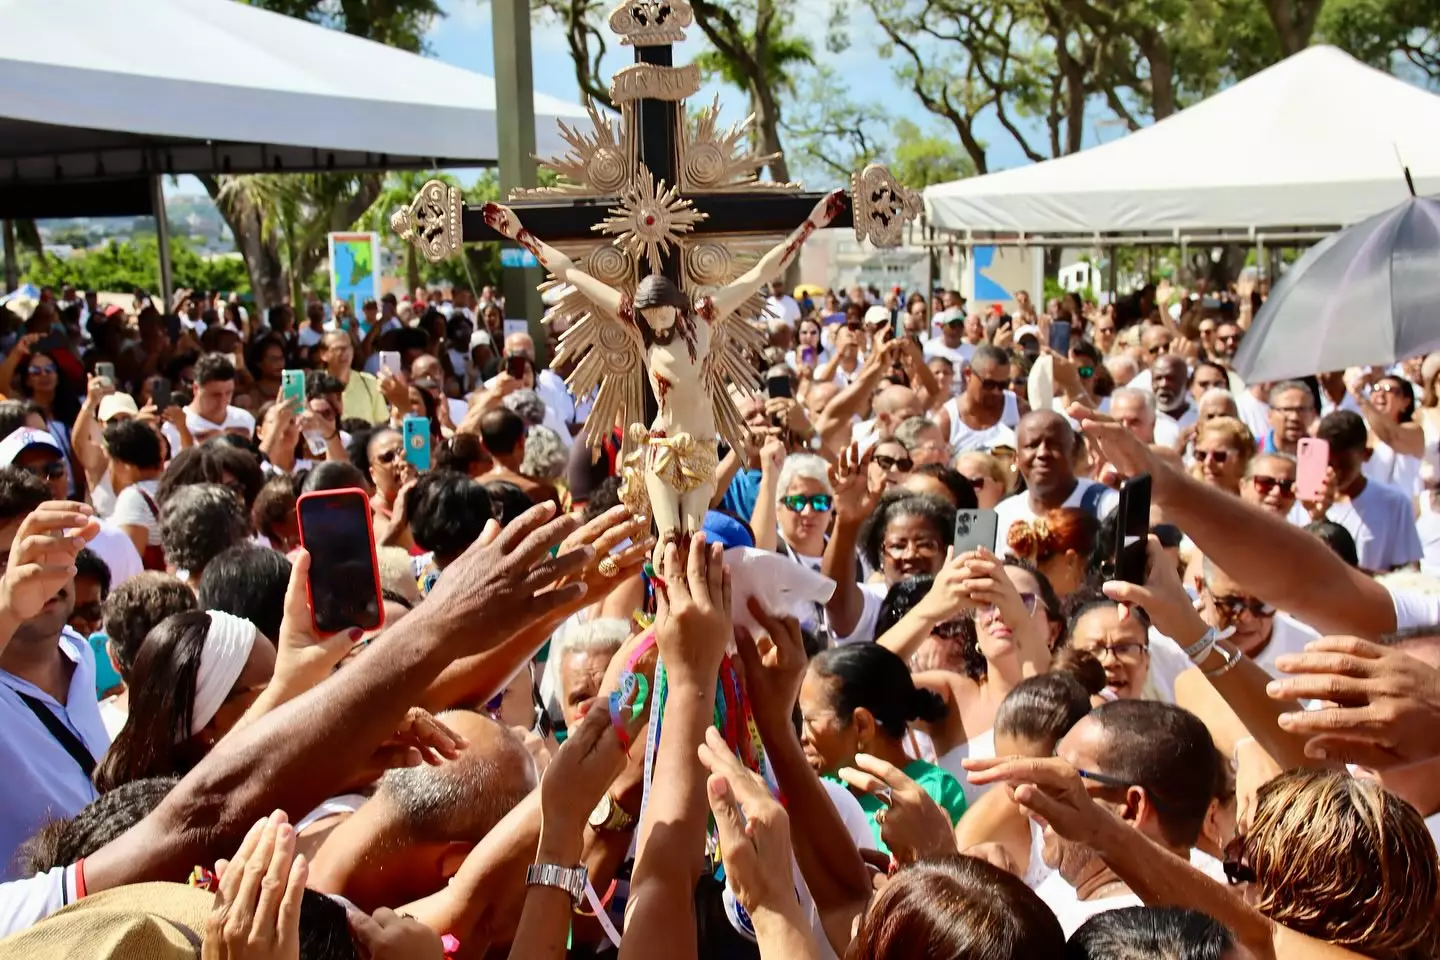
553 747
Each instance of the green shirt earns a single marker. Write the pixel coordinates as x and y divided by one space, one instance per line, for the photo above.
939 784
362 399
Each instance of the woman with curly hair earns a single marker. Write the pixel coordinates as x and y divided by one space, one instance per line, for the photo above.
1058 544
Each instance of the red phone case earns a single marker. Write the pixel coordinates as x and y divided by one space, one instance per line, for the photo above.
369 532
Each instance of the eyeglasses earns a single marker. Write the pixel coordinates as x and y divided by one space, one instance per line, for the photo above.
1217 457
1028 600
1228 337
41 369
53 470
1020 382
1119 783
1129 652
895 549
1230 608
1234 862
1264 484
888 464
1385 388
817 502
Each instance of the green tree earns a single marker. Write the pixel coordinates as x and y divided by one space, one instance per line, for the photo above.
587 36
920 159
124 266
831 135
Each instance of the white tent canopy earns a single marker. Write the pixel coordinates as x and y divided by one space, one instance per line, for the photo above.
116 88
1316 141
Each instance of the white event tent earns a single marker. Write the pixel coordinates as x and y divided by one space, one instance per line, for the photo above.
1316 141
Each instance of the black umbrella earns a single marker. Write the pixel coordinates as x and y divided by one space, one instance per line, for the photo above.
1366 296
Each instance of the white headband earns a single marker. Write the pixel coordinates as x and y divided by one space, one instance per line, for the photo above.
227 649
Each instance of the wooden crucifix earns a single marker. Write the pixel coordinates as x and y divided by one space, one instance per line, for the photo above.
661 230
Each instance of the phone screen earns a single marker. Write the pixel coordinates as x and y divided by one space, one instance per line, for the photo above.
160 393
1132 533
106 370
778 387
344 582
1060 337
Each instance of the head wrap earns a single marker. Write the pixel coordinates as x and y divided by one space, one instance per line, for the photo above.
227 649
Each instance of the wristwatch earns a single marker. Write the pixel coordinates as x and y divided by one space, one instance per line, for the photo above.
572 880
609 815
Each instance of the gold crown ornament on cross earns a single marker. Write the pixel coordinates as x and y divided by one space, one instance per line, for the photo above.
660 284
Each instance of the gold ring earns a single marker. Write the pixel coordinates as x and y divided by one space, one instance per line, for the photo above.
609 568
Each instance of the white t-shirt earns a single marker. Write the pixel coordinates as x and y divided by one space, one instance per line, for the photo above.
1168 660
959 356
132 509
1398 470
118 552
1017 507
1428 529
1382 521
979 747
874 595
236 421
1167 430
963 437
307 336
1414 609
784 307
1070 910
102 496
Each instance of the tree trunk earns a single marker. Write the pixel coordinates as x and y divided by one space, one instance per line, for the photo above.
412 268
1162 74
767 123
12 262
261 256
1294 22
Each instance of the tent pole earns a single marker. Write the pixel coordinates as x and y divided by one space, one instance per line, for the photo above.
12 264
162 236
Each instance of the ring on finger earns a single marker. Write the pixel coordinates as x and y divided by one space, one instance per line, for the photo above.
609 567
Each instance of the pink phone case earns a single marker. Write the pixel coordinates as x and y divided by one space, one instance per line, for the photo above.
1313 459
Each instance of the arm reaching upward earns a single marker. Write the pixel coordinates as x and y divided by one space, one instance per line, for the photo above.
728 299
502 220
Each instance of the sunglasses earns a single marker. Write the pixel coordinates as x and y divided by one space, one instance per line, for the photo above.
1217 457
994 386
1233 861
1264 484
1230 608
1119 783
53 470
888 464
817 502
41 369
1085 372
949 630
388 457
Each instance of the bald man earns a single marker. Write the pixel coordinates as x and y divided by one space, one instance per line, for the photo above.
1045 454
407 841
890 407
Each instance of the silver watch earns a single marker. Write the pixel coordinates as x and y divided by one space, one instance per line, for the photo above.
572 880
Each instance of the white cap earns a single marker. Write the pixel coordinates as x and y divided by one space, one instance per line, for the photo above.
1028 330
117 403
481 338
23 439
950 316
877 315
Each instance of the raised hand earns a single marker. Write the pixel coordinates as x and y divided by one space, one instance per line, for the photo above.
774 666
588 762
912 824
505 583
420 738
849 477
256 914
602 535
772 455
302 654
693 622
1124 451
1163 598
501 219
754 831
1384 710
42 559
1048 789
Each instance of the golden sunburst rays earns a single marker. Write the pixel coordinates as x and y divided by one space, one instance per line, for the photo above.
597 164
650 219
715 158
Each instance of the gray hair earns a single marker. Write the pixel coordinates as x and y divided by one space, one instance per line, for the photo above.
908 433
1147 399
810 466
528 405
1215 394
546 455
1122 361
462 799
1259 458
602 635
198 522
1287 385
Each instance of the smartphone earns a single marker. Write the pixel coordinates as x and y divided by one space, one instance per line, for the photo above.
160 393
1060 337
975 529
417 442
778 387
344 581
1132 532
807 356
1312 457
292 390
516 365
390 362
106 371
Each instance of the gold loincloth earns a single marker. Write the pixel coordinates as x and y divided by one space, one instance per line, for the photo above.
681 462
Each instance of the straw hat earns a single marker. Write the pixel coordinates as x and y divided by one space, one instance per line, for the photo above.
145 921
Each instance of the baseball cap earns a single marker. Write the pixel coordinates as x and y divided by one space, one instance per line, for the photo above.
1028 330
117 403
23 439
876 316
481 338
953 315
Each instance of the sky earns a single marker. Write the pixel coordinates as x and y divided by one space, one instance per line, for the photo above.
464 38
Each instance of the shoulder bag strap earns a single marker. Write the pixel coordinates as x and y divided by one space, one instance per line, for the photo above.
66 737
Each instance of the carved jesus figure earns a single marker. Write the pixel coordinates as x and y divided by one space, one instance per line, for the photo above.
690 352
